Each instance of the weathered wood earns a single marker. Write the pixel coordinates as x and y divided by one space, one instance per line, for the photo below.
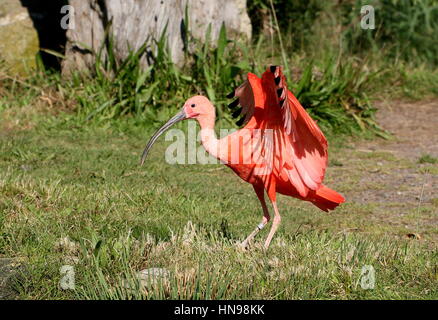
134 22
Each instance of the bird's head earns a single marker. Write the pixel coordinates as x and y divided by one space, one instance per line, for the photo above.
197 107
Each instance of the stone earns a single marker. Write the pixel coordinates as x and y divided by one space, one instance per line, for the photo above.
19 43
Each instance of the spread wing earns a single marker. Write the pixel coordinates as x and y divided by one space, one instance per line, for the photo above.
247 96
295 147
303 137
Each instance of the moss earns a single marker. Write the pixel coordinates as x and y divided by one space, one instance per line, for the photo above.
19 45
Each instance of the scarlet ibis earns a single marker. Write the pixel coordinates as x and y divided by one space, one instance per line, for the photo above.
279 149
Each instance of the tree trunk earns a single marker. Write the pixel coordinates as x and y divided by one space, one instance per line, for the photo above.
136 22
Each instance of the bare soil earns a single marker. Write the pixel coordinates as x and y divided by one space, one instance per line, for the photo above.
414 126
388 176
415 133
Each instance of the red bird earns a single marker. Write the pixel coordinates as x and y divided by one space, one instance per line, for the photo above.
279 149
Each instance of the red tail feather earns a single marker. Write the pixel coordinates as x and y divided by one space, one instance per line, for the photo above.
327 199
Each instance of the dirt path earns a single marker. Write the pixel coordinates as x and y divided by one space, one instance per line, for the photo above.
388 175
414 126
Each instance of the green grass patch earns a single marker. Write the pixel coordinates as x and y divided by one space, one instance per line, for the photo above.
84 184
72 192
427 158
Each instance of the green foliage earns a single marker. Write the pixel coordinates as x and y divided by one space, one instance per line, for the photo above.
335 86
295 17
427 158
216 69
334 92
337 96
415 82
120 88
406 29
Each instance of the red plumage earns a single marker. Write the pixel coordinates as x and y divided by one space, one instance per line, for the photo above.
279 149
287 137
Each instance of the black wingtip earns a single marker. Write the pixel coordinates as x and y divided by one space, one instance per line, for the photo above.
240 122
273 68
277 80
231 95
237 113
233 104
282 102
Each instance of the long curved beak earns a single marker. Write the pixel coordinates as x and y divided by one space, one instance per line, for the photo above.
177 118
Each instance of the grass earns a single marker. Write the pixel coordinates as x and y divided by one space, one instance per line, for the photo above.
72 192
61 181
405 29
427 158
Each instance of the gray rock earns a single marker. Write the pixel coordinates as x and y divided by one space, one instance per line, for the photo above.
19 40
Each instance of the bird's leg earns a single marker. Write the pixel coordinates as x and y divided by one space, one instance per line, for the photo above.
261 195
275 223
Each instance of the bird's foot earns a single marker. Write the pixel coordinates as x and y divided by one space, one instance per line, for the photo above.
266 245
243 245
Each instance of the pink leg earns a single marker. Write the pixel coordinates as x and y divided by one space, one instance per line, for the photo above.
275 223
261 195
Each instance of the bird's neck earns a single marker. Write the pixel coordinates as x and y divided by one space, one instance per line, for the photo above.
208 135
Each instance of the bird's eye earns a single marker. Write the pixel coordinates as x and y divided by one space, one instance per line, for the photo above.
193 105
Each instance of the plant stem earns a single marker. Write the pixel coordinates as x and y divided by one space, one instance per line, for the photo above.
283 52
